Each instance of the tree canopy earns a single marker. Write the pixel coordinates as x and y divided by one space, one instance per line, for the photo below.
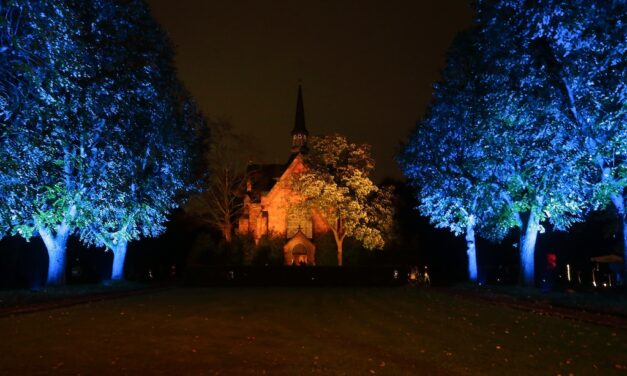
447 158
582 51
336 185
97 131
147 152
45 125
225 156
506 100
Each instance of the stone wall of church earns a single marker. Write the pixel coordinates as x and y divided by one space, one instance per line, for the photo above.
272 216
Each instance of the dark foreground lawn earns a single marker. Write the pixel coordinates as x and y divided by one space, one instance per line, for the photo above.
301 331
25 300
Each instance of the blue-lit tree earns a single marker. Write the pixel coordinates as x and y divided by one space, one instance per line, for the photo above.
523 160
43 128
536 149
445 159
537 166
567 60
145 157
146 185
582 48
98 133
335 185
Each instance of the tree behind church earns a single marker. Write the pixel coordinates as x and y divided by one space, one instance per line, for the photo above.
336 185
225 158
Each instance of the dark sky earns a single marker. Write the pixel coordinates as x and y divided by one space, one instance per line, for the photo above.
366 66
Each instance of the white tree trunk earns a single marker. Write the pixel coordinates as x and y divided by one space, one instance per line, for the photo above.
339 253
56 245
339 240
619 203
528 237
119 255
471 251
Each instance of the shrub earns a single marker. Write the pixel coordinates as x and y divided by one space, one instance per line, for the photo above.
269 251
326 250
241 250
356 255
202 249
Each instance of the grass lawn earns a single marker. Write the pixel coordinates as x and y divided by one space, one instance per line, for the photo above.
613 302
301 331
19 298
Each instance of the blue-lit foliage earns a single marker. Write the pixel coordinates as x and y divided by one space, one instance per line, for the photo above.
445 159
151 124
42 123
537 149
96 129
567 61
581 46
549 115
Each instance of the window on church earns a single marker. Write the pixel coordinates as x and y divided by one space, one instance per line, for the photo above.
299 139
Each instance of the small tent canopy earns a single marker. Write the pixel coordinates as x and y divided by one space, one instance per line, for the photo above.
607 259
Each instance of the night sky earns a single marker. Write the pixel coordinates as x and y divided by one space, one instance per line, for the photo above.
366 66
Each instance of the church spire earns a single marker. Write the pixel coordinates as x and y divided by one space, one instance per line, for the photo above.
299 133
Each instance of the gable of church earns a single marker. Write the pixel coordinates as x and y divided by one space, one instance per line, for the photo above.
268 202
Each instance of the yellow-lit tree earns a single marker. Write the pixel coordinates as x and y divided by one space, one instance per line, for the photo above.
336 185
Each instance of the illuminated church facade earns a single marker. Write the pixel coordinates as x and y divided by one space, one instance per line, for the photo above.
268 200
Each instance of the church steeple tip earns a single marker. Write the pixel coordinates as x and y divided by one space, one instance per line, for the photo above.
299 133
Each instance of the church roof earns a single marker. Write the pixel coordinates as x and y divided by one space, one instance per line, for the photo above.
299 120
263 177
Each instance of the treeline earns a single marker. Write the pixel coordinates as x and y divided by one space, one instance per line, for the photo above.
527 126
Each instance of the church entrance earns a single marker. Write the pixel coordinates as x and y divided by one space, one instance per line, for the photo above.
299 250
299 254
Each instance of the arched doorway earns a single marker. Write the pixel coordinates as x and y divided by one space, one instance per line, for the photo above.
299 254
299 250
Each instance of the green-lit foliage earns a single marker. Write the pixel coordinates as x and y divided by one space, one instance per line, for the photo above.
97 132
336 184
539 106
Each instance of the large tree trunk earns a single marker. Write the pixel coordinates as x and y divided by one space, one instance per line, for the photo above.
339 240
606 174
624 276
619 203
227 232
528 237
339 235
56 245
119 255
339 254
471 251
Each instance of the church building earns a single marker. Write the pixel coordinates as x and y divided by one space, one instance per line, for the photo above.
268 199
